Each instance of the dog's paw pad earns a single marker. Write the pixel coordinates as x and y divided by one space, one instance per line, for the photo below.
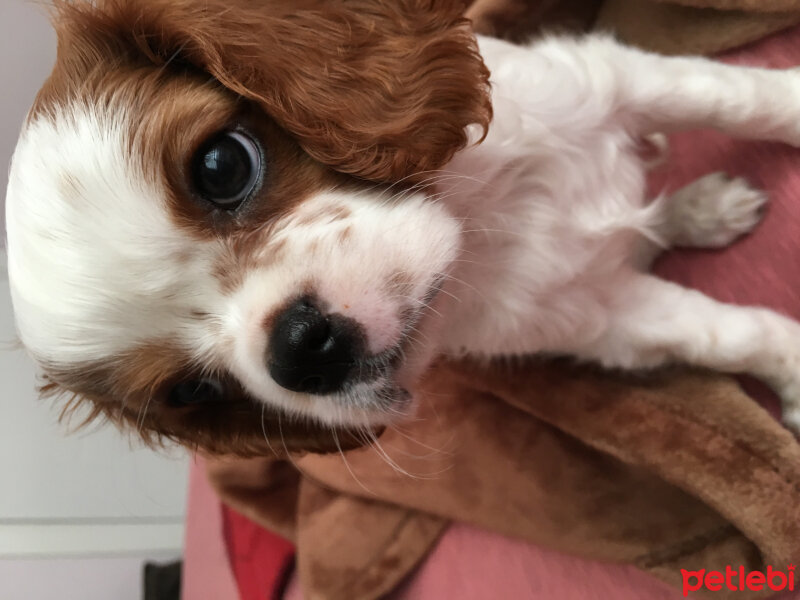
714 210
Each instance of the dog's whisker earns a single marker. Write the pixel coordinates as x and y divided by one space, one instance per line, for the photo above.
453 278
347 464
428 456
450 294
376 445
433 451
495 230
286 450
143 414
264 430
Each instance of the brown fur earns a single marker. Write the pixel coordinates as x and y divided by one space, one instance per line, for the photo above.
380 89
131 392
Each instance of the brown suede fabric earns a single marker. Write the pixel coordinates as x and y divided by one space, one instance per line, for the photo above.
667 26
690 27
747 5
517 20
677 469
674 470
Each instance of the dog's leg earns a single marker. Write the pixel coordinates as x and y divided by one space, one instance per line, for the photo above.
652 322
657 93
710 212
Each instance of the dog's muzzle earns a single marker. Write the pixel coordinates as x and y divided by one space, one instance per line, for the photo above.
313 353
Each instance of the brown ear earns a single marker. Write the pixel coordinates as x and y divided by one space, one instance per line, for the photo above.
239 427
381 89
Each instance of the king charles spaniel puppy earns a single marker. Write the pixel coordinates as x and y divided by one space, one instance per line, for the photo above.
223 207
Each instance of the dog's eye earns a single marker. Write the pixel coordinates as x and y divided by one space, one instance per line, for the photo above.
226 169
196 391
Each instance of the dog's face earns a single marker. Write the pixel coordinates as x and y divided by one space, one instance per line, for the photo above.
215 211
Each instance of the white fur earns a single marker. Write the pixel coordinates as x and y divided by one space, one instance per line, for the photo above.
87 240
539 229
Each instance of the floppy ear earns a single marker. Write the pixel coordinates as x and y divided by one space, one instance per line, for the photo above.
381 89
240 428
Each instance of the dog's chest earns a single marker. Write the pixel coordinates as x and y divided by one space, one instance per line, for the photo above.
542 222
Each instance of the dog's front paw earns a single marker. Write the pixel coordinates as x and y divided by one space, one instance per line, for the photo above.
714 210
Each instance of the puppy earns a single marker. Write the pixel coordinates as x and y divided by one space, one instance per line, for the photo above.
221 207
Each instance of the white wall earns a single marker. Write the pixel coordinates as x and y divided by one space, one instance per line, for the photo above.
71 579
89 476
84 495
27 48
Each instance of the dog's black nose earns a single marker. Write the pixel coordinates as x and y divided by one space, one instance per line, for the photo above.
311 352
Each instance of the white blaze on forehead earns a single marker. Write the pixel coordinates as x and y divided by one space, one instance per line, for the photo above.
93 256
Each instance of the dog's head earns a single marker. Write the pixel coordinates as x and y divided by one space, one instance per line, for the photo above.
216 207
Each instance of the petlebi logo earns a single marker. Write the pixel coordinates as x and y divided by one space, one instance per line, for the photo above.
738 579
